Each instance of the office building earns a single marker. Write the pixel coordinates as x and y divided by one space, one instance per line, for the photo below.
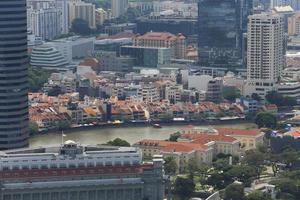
220 27
74 172
111 62
74 47
265 53
13 75
48 57
147 56
174 25
214 92
45 23
118 7
113 29
176 43
84 11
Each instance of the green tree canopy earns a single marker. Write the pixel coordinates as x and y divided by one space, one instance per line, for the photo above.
81 27
36 78
119 142
33 128
174 137
170 165
184 187
234 191
266 120
280 100
258 195
63 125
55 91
231 93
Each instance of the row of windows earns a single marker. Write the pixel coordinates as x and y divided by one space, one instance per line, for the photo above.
13 142
63 165
109 194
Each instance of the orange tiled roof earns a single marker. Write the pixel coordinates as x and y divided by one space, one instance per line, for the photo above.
160 36
169 146
246 132
203 138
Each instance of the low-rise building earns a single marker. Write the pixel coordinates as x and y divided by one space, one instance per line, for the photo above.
75 172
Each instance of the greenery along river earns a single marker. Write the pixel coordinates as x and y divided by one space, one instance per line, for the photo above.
130 134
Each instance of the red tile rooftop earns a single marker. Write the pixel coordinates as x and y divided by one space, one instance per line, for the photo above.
245 132
160 36
92 62
169 146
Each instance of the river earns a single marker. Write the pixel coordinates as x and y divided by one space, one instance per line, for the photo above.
130 134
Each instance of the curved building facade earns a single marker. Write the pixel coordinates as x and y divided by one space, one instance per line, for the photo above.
13 74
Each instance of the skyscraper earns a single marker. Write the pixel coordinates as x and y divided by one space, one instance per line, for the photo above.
13 74
265 53
118 7
221 24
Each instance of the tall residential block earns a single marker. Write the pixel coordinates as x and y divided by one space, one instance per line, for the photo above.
294 24
13 74
265 53
82 10
221 24
45 23
118 7
63 5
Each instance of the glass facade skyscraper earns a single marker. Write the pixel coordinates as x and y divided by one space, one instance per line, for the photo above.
221 24
13 74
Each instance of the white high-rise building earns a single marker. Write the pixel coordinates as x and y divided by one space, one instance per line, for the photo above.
45 23
265 53
63 5
295 4
118 7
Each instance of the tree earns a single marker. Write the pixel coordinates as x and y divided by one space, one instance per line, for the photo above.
192 167
258 195
33 128
255 159
170 166
63 125
231 93
174 137
36 78
266 120
55 91
234 191
184 187
280 100
256 97
243 173
119 142
81 27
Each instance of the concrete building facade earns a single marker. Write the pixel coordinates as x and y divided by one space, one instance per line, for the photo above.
73 172
118 7
45 23
176 43
265 53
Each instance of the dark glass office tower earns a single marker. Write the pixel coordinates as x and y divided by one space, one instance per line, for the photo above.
13 74
221 24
